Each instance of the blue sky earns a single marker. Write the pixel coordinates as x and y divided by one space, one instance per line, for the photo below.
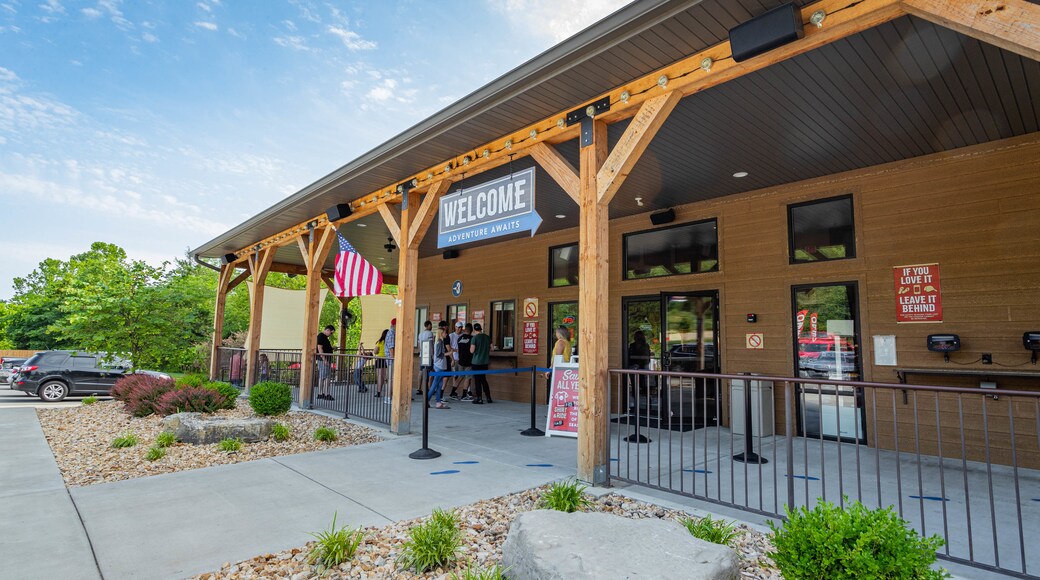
158 125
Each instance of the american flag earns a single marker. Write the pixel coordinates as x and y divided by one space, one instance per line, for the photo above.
355 276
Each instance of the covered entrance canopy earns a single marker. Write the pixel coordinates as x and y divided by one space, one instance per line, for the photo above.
877 81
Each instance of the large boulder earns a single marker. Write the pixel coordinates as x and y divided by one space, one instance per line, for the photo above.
202 429
550 545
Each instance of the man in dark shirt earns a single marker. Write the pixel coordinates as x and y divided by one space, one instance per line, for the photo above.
465 363
480 346
323 350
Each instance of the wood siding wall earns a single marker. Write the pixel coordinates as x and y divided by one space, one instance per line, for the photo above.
975 211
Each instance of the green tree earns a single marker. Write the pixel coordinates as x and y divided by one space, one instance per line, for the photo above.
35 309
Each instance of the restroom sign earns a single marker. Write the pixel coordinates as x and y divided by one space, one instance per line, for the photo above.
918 293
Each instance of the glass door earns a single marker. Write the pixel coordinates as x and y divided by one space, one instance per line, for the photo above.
827 346
689 344
562 314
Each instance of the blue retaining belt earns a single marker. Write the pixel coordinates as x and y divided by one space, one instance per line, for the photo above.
489 372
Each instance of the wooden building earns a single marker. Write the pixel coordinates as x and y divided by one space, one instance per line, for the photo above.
750 216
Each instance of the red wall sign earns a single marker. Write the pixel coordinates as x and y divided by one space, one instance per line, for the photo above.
531 337
918 293
562 418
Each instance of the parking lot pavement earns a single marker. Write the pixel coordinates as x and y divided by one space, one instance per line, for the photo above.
11 399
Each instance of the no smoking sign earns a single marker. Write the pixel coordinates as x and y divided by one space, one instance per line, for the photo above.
754 341
530 308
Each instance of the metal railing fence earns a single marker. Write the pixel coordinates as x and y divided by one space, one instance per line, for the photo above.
232 367
357 385
957 462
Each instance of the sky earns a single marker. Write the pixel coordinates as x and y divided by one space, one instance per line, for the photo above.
158 125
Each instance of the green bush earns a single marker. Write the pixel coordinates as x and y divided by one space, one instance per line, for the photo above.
230 445
90 400
124 440
471 573
709 530
280 432
325 434
192 380
165 439
229 391
270 398
433 543
155 453
851 543
334 546
565 496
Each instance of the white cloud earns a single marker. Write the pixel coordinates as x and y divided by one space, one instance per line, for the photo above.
235 33
293 42
207 25
53 7
203 6
289 25
111 7
7 75
351 39
91 13
556 19
149 37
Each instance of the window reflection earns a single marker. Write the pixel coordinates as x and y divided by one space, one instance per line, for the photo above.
683 249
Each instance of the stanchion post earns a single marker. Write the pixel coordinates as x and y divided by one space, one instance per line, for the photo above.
425 452
533 430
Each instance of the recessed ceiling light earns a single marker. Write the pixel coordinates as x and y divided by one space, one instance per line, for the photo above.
362 225
560 216
740 174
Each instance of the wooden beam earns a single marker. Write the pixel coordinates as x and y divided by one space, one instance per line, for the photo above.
557 166
289 268
407 275
391 223
237 280
1013 25
593 312
633 143
305 252
218 320
427 212
318 249
260 266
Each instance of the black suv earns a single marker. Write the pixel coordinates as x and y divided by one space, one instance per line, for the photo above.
55 374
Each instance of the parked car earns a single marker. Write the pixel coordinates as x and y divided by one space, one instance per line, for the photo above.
8 366
825 366
55 374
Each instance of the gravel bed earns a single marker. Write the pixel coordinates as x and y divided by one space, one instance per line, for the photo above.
484 525
81 439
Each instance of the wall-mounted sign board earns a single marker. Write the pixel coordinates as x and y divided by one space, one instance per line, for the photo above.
496 208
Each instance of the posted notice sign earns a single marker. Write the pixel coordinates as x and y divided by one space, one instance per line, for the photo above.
531 337
495 208
918 293
563 401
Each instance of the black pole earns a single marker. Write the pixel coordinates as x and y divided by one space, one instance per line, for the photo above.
637 437
749 455
533 431
425 452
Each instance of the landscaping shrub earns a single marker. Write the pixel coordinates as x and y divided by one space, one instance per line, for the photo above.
270 398
433 543
565 496
325 434
126 386
334 546
190 400
230 445
90 400
165 439
229 391
851 543
280 432
471 573
155 453
124 440
709 530
144 397
192 380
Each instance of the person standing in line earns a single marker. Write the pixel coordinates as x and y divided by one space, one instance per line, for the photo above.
465 363
424 371
480 346
390 345
380 355
440 363
453 338
323 350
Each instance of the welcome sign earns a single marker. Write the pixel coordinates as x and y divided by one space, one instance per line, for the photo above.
496 208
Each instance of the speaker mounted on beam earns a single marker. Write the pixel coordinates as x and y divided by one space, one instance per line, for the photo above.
451 254
761 34
228 258
663 217
338 212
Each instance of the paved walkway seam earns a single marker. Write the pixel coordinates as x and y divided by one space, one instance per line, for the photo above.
347 497
86 533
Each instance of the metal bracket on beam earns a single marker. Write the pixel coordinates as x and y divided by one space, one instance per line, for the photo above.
586 131
590 110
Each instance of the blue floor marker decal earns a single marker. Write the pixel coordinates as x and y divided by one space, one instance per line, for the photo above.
614 459
539 464
809 477
464 462
445 472
697 471
930 497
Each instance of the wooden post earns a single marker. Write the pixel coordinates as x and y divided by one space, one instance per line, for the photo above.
259 266
407 275
317 250
218 320
593 312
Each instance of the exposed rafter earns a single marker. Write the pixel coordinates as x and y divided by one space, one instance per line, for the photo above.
1013 25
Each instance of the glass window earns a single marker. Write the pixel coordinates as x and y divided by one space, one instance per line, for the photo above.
562 314
83 362
503 324
563 266
422 314
457 313
683 249
821 230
